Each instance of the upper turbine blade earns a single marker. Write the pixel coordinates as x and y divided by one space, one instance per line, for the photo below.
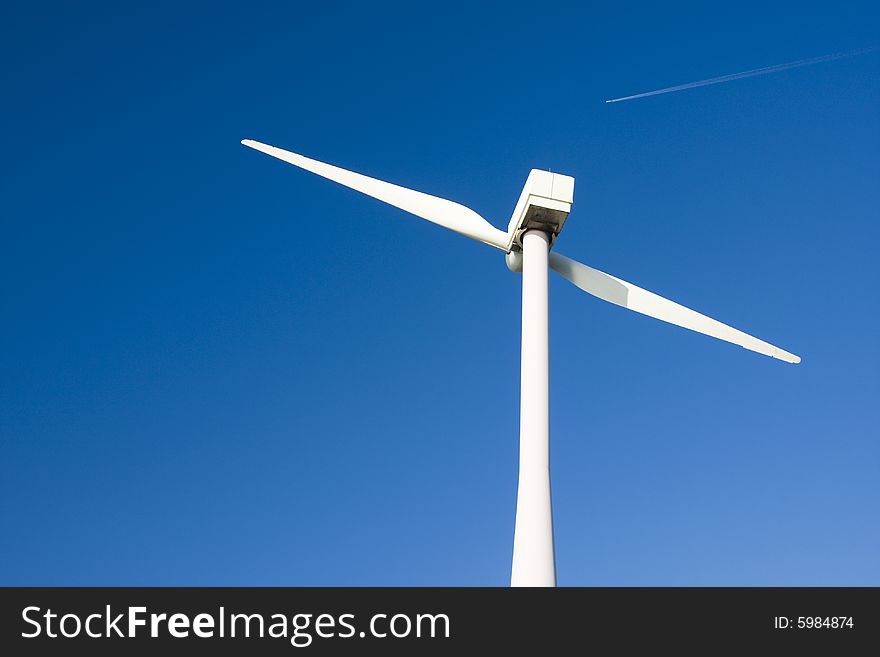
438 210
630 296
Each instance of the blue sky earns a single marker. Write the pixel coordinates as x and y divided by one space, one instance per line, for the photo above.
217 369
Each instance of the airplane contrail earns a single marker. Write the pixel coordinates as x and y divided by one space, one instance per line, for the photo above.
748 74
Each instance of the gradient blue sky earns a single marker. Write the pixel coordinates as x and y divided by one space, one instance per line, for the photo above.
217 369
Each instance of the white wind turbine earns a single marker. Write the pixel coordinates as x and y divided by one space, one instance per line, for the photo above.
537 220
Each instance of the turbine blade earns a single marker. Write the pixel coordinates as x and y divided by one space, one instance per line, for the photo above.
437 210
614 290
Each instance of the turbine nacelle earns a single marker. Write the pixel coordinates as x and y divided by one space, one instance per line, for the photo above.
543 205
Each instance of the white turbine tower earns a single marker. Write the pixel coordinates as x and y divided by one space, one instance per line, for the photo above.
536 222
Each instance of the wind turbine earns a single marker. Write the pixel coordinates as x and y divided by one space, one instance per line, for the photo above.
538 217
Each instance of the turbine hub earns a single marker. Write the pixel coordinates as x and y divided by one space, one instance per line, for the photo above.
514 261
